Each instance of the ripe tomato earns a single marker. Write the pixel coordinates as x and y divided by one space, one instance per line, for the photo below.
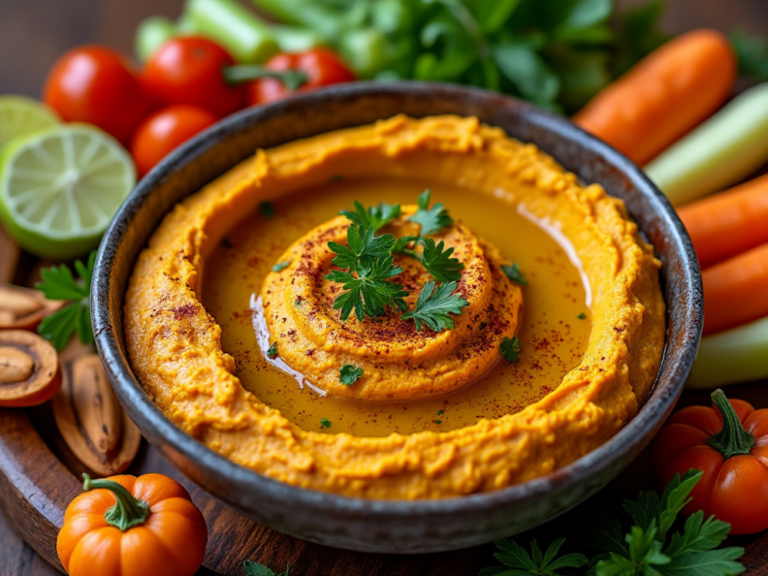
321 66
166 129
189 71
99 86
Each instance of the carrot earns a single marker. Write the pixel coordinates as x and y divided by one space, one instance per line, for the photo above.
664 96
728 223
736 291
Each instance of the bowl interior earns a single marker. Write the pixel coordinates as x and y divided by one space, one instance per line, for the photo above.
484 516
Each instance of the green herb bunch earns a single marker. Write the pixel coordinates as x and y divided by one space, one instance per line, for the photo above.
650 548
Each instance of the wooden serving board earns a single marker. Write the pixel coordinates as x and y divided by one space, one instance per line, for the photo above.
39 476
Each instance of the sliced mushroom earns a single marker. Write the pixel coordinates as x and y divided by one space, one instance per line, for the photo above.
29 369
24 308
89 415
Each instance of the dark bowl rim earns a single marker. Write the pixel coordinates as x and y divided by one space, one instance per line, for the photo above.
147 414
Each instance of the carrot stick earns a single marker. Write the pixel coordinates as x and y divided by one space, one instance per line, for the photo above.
728 223
664 96
736 291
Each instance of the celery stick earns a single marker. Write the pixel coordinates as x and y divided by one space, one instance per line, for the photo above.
720 152
326 21
247 37
364 50
737 355
293 39
151 34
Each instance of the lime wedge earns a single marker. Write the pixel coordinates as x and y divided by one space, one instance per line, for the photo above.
61 186
20 115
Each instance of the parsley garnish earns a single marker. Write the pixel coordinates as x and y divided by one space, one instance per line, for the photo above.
438 262
370 292
272 352
435 306
349 374
375 216
510 348
646 550
582 316
513 273
325 423
438 422
432 220
440 412
267 209
363 248
281 266
256 569
74 318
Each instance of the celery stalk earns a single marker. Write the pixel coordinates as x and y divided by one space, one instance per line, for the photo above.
151 34
294 39
737 355
248 38
364 50
720 152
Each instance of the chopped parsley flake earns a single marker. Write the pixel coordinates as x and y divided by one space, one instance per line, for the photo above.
349 374
440 412
438 422
510 348
272 352
514 274
582 316
280 266
325 423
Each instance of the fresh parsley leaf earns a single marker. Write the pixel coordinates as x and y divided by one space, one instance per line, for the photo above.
74 318
432 220
256 569
675 498
440 412
280 266
375 216
325 423
434 306
536 563
645 509
513 273
267 209
510 348
438 422
370 292
438 262
710 563
698 535
752 54
581 316
637 35
645 555
272 352
363 248
350 374
402 243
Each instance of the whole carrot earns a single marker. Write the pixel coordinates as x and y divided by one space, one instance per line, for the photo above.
664 96
736 291
728 223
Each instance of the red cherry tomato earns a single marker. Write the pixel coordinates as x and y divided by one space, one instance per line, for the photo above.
165 130
97 85
321 66
189 71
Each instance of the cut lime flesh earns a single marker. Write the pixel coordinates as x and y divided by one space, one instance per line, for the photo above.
60 188
20 116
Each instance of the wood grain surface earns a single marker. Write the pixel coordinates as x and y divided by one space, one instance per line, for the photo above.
33 33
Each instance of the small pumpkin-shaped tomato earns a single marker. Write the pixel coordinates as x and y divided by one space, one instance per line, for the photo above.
729 444
128 526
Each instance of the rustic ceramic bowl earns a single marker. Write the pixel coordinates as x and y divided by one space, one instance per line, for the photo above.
395 526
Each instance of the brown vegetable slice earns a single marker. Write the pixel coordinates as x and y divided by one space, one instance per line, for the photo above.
29 369
89 415
24 308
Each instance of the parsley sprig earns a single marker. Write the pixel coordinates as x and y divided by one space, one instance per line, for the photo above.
434 306
74 318
431 220
256 569
646 550
364 248
375 216
436 258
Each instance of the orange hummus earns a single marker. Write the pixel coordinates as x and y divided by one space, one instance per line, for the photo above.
175 346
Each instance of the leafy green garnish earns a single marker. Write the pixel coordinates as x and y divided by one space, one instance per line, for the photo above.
272 352
363 248
645 550
438 422
370 292
535 563
581 316
267 209
510 348
440 412
432 220
325 423
256 569
350 374
375 216
513 273
438 262
74 318
280 266
752 54
434 306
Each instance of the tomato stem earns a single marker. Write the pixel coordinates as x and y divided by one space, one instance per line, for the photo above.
733 439
292 79
128 510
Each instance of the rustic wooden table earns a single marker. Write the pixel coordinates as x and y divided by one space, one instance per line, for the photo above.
33 33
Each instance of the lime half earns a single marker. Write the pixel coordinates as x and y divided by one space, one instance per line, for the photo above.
20 115
61 186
